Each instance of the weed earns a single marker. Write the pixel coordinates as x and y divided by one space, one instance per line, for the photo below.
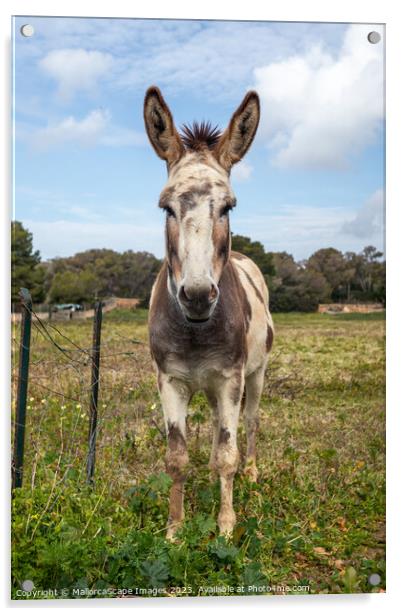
314 521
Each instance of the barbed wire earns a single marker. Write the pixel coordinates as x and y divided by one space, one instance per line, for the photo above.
79 349
76 360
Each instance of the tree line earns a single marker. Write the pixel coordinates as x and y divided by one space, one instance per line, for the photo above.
327 276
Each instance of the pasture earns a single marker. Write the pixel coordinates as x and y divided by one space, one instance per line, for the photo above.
314 522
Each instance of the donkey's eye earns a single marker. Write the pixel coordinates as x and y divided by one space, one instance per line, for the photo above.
169 212
225 210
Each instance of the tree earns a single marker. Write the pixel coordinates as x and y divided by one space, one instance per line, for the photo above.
102 273
256 252
25 265
371 254
73 287
368 282
337 271
294 288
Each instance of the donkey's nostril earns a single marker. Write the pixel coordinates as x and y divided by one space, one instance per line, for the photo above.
183 297
198 297
213 293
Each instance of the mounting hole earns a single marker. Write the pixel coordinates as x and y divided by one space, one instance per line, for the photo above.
27 30
28 585
374 37
374 579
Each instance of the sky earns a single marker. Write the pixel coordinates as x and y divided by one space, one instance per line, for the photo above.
85 175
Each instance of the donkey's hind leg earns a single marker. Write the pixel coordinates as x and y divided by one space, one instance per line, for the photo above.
254 386
175 397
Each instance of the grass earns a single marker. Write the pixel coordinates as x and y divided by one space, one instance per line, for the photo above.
314 522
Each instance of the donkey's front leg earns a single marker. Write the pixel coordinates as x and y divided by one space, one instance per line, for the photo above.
175 396
229 395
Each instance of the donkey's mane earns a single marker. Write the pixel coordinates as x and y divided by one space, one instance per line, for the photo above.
198 136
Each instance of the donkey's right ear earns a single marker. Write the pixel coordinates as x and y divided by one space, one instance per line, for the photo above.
160 127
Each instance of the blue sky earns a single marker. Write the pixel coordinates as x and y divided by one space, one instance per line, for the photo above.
86 176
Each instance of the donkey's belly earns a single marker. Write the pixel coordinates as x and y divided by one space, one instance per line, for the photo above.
201 373
257 347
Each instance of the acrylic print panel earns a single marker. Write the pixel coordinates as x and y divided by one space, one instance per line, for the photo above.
206 441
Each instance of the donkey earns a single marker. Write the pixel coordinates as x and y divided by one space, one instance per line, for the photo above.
209 324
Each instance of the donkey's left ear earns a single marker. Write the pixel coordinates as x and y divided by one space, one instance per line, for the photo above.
240 133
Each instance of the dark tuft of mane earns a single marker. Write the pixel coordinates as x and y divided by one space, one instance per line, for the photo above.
199 136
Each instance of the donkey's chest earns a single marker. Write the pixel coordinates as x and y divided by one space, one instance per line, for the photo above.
198 357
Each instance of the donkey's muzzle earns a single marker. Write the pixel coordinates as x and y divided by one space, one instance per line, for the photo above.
198 303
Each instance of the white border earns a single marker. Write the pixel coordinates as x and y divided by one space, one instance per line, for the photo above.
367 11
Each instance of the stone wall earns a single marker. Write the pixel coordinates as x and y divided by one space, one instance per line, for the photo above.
65 315
350 308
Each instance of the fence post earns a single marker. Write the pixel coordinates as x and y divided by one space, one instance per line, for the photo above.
93 406
22 389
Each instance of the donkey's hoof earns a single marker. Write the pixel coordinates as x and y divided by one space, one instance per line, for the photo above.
171 532
171 535
212 475
226 522
227 534
250 471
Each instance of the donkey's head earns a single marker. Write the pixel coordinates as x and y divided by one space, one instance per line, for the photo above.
197 197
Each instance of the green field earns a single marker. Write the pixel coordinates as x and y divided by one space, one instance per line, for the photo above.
314 522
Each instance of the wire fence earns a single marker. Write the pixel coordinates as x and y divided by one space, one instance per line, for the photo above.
88 412
84 393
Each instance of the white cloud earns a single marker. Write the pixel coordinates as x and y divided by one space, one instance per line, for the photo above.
76 70
83 213
212 60
321 108
302 229
96 128
369 219
64 238
242 171
296 228
84 132
117 137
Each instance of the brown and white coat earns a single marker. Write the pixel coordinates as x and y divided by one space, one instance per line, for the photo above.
209 324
